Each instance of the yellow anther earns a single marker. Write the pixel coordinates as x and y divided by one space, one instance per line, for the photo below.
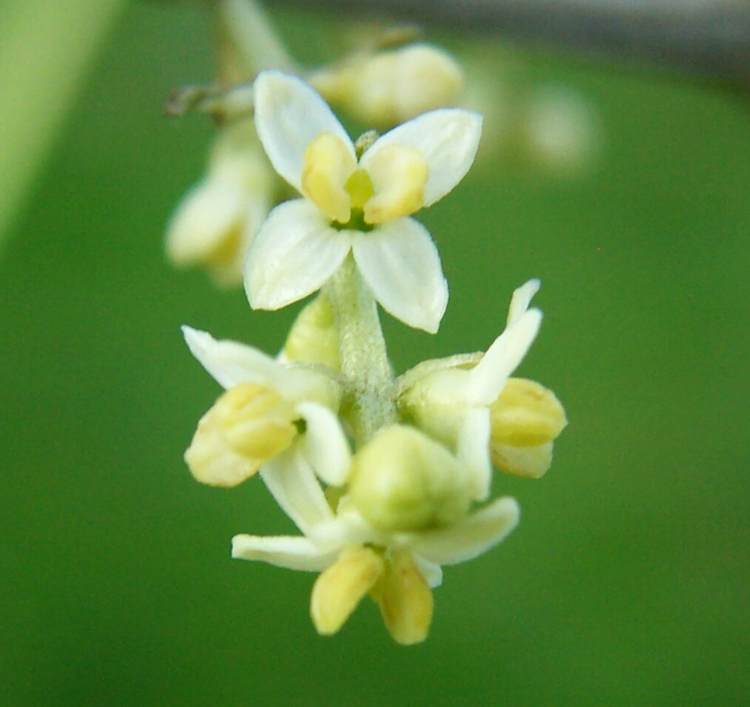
341 587
359 186
247 425
528 462
398 174
402 480
405 599
526 414
328 164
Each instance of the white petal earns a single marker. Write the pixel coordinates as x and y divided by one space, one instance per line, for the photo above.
487 379
292 482
293 254
401 265
231 363
324 444
431 571
289 115
477 534
292 553
474 451
447 138
208 214
521 300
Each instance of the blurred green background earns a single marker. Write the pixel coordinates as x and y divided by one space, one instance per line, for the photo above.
626 582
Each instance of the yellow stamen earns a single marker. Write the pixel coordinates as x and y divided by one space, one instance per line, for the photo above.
328 163
526 414
340 588
247 425
398 175
405 600
528 462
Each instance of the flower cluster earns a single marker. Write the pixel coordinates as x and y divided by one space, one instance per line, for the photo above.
386 478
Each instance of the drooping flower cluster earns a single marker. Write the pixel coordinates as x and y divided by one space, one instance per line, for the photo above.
387 479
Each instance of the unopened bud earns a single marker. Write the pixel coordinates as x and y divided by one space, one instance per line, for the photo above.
391 87
403 480
314 337
248 425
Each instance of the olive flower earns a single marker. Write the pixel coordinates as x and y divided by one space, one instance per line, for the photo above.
472 396
358 201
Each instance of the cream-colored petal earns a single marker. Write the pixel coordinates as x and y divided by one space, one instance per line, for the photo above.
293 254
294 553
338 591
292 482
231 363
487 379
521 300
289 115
401 266
470 538
447 139
529 462
209 214
474 451
431 571
324 444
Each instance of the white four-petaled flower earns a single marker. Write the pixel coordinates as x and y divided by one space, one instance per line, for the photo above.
359 204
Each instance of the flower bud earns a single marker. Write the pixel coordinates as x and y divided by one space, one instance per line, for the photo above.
402 480
247 425
314 337
390 87
217 219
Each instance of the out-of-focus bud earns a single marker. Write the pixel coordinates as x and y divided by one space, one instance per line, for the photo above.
248 425
216 221
386 88
525 420
314 337
561 130
402 480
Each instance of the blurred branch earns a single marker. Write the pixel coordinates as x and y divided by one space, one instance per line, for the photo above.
709 39
44 54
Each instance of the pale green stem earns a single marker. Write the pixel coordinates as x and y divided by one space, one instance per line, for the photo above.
45 52
363 357
247 28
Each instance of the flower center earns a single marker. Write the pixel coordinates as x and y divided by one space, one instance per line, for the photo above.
389 185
